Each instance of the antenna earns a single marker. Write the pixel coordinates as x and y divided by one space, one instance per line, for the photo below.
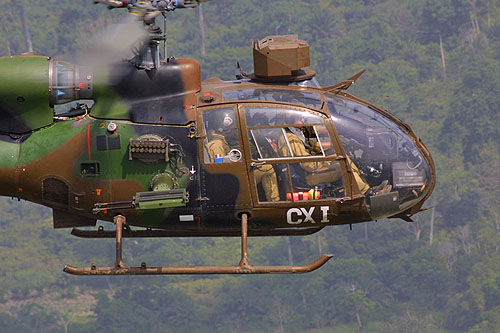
165 33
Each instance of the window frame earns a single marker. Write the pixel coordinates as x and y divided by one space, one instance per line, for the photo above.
205 135
337 157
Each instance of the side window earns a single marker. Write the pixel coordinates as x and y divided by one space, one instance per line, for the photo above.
324 140
270 116
222 143
301 141
264 143
300 134
278 133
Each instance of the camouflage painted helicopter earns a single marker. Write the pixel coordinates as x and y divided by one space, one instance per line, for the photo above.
144 143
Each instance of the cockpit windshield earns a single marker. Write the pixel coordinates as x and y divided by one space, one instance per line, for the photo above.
386 156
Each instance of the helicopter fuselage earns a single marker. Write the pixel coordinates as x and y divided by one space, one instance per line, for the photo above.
171 152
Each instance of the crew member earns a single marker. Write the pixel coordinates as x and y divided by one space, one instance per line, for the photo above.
302 146
224 137
298 140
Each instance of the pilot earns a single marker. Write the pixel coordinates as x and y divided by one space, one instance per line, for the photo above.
362 184
224 137
382 188
302 145
264 174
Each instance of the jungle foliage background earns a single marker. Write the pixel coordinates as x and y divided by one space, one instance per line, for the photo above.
433 63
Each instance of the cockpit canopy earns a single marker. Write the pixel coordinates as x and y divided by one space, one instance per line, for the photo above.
382 151
389 168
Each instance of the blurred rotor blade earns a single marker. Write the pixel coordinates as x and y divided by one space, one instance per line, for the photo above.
149 18
189 3
112 43
111 3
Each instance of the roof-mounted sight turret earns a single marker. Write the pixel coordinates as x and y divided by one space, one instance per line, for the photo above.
281 58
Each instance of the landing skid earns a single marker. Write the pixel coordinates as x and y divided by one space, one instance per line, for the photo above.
244 267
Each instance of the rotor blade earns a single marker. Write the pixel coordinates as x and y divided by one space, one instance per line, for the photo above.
111 3
112 43
149 18
189 3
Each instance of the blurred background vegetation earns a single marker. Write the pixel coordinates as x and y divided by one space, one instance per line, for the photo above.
433 63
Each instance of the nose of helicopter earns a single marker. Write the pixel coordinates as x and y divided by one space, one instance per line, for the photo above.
404 188
393 163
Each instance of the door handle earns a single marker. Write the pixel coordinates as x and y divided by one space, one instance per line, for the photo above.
254 164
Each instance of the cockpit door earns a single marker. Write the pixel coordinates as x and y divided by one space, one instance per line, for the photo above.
224 180
292 157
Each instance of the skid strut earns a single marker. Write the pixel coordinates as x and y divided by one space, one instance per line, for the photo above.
244 267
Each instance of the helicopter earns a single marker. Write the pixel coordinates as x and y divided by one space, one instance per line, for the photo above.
145 144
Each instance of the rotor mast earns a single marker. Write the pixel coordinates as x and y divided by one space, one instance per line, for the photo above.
147 53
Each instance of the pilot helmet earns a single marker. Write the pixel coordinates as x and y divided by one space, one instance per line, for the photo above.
224 122
228 121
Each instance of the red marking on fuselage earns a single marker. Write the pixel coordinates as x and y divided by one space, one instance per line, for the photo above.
88 143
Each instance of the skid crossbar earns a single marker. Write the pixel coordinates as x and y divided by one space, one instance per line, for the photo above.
244 266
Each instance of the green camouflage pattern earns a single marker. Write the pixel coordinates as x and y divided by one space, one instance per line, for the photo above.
24 94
